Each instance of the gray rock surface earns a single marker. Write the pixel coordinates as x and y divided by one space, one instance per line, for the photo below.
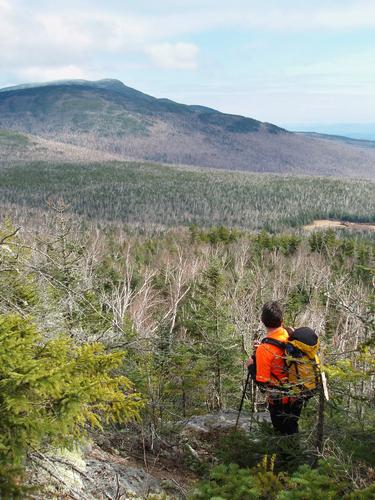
223 421
91 474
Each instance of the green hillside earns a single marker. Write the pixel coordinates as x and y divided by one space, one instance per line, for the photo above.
13 140
17 147
105 107
107 116
141 193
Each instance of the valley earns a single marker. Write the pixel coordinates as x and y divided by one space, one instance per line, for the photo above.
149 195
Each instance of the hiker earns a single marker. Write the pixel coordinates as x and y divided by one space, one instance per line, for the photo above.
271 371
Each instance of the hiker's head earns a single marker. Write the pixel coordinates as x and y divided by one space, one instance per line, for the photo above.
272 314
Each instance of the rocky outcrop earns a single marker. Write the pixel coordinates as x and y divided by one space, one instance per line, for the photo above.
90 474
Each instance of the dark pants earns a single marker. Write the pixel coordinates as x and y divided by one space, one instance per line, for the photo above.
285 414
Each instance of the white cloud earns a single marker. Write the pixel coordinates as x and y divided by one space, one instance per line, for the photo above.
352 74
65 31
7 23
43 40
67 36
46 74
174 56
96 30
4 5
188 16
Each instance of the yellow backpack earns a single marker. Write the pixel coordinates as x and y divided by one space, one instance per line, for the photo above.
302 361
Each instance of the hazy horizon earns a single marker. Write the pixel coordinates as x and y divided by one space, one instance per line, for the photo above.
361 131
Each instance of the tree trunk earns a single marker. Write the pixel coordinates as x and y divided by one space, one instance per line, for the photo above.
320 424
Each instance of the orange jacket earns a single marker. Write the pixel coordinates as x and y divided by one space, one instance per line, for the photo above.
269 360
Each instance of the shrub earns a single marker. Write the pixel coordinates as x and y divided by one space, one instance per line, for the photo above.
327 481
227 482
50 390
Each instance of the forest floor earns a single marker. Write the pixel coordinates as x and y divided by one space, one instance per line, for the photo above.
107 474
123 463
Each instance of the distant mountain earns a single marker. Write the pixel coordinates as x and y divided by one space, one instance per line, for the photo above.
110 117
358 131
362 143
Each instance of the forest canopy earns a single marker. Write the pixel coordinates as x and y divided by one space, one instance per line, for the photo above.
101 326
145 195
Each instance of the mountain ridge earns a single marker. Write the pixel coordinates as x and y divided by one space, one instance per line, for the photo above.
118 86
108 116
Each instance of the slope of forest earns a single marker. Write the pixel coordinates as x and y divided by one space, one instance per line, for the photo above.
143 194
19 147
119 339
108 116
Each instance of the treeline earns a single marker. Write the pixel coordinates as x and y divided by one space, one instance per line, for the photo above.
144 194
184 305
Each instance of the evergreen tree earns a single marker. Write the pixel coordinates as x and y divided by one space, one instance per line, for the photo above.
50 391
208 323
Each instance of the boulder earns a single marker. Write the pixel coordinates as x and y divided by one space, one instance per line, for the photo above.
221 422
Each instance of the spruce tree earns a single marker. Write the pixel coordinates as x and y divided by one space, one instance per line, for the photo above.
208 323
51 391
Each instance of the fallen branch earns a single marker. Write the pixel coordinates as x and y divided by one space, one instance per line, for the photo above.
7 236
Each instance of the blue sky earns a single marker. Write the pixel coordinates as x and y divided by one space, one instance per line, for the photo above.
286 61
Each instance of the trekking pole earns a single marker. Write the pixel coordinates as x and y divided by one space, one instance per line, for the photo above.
242 399
253 402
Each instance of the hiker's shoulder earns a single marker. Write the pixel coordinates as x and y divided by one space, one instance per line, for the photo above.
283 335
278 335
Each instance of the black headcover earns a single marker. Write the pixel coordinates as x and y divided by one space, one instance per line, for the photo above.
305 335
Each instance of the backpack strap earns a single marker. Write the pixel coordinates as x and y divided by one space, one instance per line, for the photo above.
274 342
317 372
